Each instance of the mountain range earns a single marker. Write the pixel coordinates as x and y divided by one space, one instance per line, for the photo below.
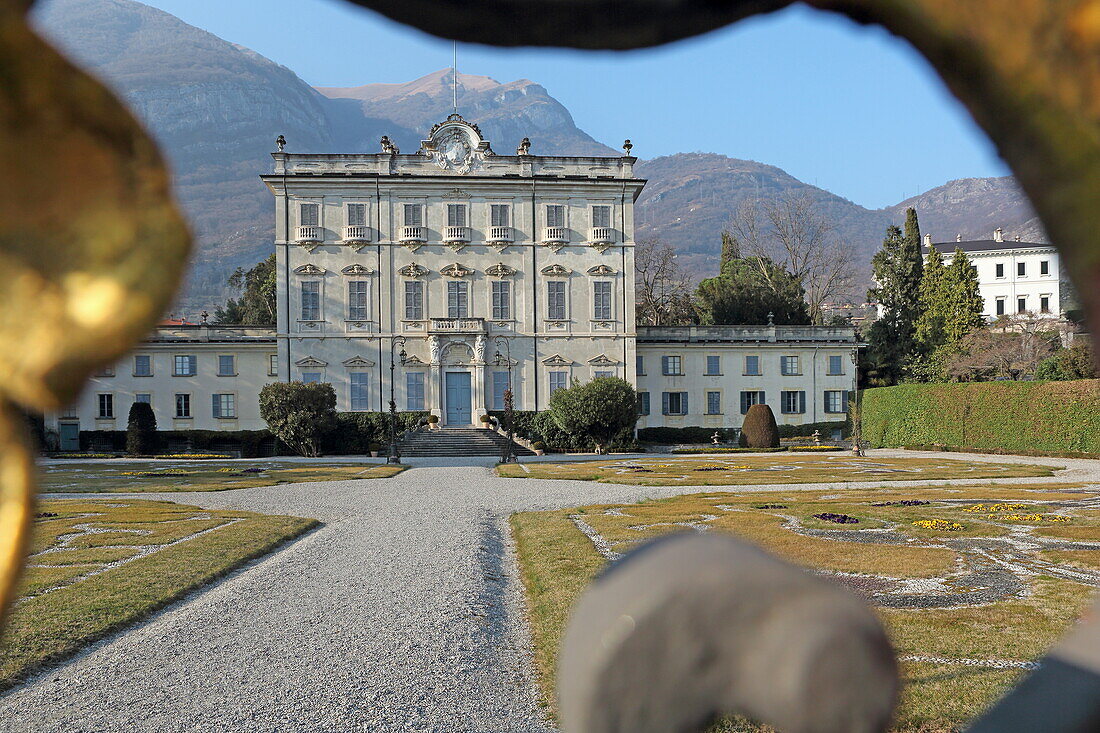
216 107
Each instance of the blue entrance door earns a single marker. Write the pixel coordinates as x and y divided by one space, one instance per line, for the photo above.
69 436
458 398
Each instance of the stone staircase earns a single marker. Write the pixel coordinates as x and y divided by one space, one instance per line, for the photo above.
457 442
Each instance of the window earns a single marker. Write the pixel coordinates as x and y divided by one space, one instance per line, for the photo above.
500 386
225 405
502 300
639 364
601 216
557 381
414 215
555 300
714 403
601 300
597 375
714 366
792 402
836 400
1044 304
1021 304
272 365
143 365
752 366
1000 268
311 300
1000 306
144 397
106 406
311 377
184 365
1044 267
414 390
643 403
1021 269
456 215
458 299
106 372
357 300
748 399
357 215
183 405
836 365
310 215
500 215
674 403
789 366
414 300
555 215
671 366
359 397
227 365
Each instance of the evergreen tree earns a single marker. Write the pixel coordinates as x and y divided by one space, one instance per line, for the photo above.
929 325
256 306
897 269
963 313
731 250
951 309
747 291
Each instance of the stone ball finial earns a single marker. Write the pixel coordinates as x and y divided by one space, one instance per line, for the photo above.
627 146
280 143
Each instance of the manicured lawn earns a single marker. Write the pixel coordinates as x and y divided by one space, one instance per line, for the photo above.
776 468
557 560
82 582
207 475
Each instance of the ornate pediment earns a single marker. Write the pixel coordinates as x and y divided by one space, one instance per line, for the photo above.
310 361
456 270
456 145
413 360
309 269
456 193
601 270
413 270
357 361
557 360
555 270
357 269
602 361
500 270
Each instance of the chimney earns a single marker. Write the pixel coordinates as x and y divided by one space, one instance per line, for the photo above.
998 235
928 241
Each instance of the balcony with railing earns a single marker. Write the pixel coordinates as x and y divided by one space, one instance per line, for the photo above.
601 235
414 234
555 235
456 234
309 234
500 234
356 233
458 325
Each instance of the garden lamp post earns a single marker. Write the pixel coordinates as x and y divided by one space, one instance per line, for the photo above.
394 456
509 400
857 416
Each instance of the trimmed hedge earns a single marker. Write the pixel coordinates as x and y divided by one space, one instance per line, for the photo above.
805 430
540 426
692 434
1012 417
356 431
720 449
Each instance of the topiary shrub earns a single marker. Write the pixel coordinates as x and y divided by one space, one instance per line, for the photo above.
759 429
141 430
300 415
599 410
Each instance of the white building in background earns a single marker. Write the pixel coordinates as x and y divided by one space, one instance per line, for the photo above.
493 270
1014 277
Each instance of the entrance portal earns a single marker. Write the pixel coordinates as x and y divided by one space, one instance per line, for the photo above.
458 398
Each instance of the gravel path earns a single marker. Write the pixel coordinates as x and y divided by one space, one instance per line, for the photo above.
401 613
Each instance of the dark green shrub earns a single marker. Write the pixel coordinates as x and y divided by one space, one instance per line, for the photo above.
759 429
141 430
1068 364
1010 417
721 449
807 429
692 434
598 410
353 432
300 415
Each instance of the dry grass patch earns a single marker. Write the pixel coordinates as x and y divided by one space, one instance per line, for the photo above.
60 610
205 475
776 468
1087 559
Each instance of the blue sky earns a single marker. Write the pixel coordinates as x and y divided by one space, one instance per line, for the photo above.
845 107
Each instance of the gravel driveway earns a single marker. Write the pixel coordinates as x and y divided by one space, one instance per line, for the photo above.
401 613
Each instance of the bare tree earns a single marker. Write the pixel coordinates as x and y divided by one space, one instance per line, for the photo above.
1011 348
791 231
662 290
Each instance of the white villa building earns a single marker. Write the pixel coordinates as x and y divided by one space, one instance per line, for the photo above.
1014 277
484 270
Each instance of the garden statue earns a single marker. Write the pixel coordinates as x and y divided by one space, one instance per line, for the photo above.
433 348
817 437
716 439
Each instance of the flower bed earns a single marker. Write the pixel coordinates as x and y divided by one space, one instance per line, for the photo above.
769 506
903 502
940 525
84 455
837 518
720 449
157 473
193 456
814 448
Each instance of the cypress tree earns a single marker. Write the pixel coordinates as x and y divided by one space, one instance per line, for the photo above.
898 268
964 303
929 326
731 250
